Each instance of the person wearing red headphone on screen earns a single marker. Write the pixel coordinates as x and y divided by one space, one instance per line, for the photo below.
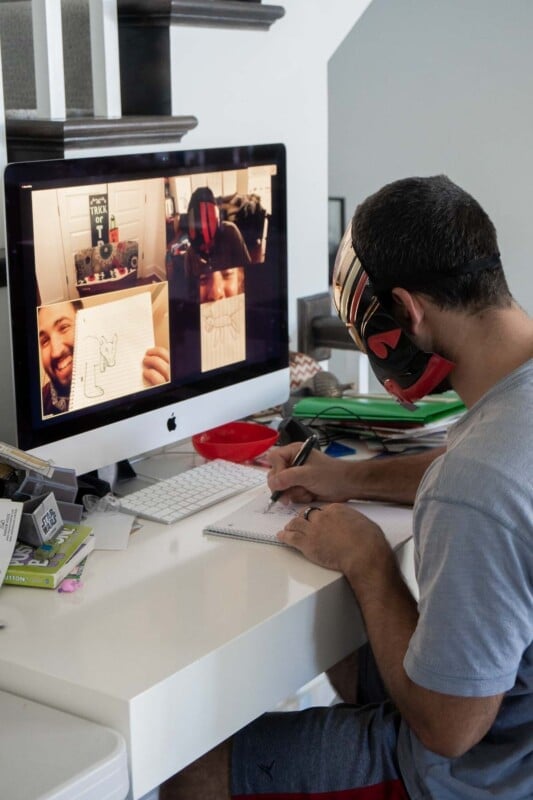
445 692
217 254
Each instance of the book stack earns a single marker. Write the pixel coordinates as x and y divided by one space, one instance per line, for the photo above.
382 421
47 566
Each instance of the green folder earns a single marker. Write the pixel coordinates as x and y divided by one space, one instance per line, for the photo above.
376 408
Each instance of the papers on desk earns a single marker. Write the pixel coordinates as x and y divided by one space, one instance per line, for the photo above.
252 523
10 517
382 421
395 440
111 529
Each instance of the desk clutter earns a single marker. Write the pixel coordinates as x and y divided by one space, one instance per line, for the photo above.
381 420
320 402
48 566
43 542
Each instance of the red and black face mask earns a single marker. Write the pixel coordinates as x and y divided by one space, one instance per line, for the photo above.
203 219
405 371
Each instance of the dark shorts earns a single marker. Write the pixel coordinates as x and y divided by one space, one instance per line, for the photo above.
341 752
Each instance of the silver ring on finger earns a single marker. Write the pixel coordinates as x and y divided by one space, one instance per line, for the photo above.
308 511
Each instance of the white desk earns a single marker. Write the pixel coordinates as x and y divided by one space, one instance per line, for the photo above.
178 641
47 754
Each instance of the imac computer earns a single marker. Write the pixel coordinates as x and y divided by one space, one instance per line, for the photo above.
146 300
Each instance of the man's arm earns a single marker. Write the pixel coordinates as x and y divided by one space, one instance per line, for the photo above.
394 479
338 537
446 724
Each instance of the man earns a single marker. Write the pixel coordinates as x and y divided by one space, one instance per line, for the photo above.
56 324
457 666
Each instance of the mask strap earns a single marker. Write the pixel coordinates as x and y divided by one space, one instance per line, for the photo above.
472 268
478 265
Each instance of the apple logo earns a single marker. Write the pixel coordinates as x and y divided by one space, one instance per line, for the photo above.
171 423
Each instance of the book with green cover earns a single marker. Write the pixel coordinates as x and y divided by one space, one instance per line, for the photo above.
68 548
379 409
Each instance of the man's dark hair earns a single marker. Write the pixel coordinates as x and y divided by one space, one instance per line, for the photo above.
429 235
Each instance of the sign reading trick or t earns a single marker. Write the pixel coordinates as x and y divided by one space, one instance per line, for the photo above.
99 214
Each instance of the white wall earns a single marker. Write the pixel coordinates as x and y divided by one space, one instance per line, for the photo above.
421 87
248 87
417 86
251 87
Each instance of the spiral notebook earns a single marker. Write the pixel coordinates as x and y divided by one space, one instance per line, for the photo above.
253 522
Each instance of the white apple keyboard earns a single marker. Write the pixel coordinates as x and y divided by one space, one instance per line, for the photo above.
175 498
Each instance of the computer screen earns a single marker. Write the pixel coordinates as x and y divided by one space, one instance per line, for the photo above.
147 298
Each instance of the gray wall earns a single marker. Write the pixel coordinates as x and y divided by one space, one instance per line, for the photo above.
420 87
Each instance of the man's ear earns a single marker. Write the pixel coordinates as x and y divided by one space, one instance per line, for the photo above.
408 310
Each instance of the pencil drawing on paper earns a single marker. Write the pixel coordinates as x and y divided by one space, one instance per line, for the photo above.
111 340
101 354
215 324
222 332
279 510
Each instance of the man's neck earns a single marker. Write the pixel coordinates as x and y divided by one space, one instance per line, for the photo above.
487 347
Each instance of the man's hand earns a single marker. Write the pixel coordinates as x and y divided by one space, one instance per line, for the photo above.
341 538
320 478
393 479
156 366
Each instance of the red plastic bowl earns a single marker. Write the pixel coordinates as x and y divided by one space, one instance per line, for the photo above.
236 441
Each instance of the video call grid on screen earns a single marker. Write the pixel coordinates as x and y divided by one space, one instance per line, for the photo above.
139 279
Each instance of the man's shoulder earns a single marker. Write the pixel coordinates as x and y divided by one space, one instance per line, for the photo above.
497 429
485 473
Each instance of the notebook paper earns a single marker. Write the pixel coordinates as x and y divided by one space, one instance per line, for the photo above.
251 522
110 342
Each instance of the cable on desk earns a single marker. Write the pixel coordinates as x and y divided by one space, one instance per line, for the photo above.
328 430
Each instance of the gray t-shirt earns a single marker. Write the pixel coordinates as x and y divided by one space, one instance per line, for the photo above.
473 532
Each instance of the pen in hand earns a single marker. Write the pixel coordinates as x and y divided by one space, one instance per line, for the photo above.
299 459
